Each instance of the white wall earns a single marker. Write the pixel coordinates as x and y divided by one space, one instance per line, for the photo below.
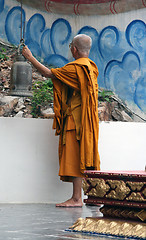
122 146
29 157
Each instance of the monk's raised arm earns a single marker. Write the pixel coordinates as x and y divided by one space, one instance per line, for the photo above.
40 67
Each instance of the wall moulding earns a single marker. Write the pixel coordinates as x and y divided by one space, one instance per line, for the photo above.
86 7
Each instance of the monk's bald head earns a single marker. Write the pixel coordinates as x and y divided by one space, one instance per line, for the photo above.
83 43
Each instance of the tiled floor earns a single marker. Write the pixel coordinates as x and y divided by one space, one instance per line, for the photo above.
42 222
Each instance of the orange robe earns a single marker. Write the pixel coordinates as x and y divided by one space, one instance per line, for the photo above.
78 111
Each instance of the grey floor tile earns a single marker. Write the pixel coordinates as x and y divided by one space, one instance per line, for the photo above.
43 222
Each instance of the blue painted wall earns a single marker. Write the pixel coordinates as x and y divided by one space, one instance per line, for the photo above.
119 54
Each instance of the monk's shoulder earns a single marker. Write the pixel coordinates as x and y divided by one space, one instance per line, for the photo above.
68 68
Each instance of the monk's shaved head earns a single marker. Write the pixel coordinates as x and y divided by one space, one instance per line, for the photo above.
83 43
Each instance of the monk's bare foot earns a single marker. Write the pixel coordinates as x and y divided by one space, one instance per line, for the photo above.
71 203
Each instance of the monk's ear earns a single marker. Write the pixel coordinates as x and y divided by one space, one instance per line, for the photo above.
75 50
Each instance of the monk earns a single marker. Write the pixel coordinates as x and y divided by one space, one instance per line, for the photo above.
76 120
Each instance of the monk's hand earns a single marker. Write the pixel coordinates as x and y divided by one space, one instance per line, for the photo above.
26 53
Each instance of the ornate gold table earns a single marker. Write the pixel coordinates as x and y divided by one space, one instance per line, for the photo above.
123 199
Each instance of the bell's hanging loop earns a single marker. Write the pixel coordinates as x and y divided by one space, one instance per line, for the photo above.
21 45
21 72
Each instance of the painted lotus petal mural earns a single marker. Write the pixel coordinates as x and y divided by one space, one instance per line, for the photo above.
1 5
136 36
140 94
120 53
13 25
34 30
117 73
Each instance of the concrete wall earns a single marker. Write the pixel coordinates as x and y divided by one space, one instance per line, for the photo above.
119 44
29 157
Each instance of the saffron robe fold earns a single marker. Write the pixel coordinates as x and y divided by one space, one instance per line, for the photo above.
70 157
81 76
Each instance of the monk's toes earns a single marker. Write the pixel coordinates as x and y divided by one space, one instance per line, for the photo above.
60 205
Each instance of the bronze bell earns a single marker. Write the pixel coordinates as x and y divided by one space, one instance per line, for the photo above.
21 77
